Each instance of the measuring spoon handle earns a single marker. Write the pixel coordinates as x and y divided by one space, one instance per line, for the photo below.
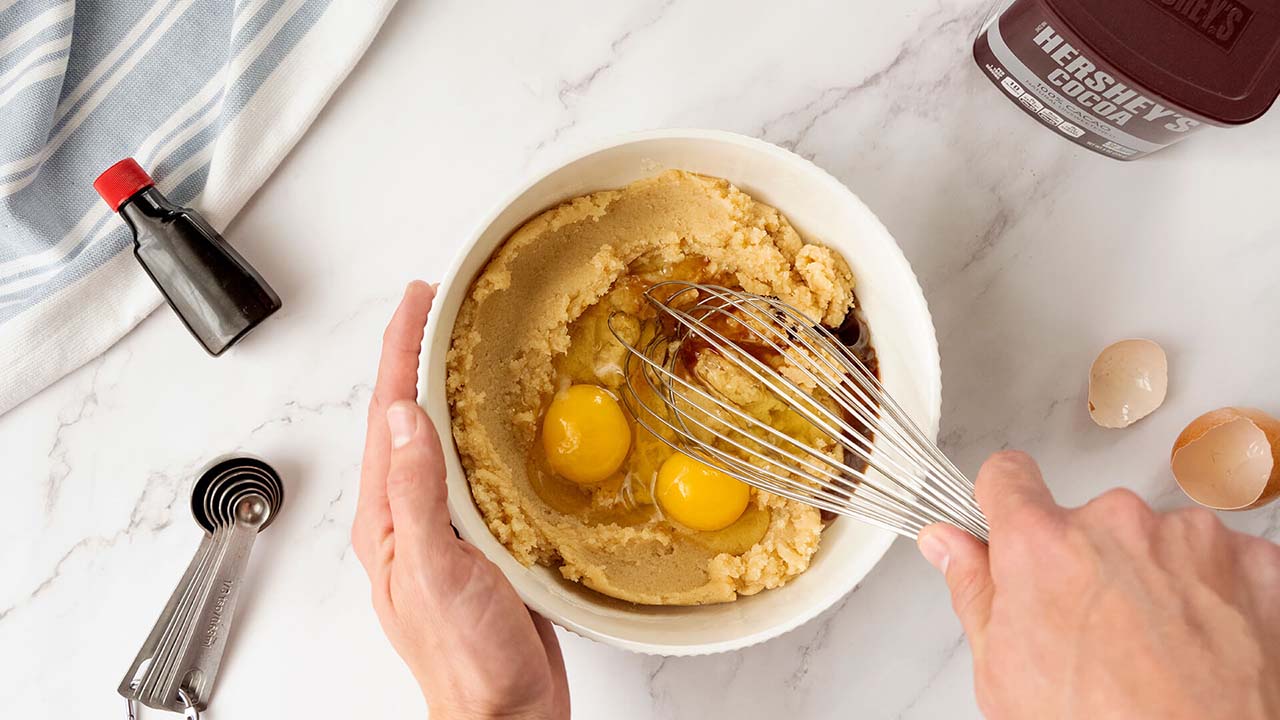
147 653
201 658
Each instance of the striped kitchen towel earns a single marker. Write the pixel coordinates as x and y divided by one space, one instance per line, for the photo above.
208 95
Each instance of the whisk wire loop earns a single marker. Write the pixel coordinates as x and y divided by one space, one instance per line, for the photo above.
907 436
784 325
836 471
762 475
899 481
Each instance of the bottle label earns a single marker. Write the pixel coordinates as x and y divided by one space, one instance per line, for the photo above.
1054 76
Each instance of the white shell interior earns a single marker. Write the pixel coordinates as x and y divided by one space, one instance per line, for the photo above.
821 209
1127 382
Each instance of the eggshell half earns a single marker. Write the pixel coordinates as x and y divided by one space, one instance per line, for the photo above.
1229 459
1127 382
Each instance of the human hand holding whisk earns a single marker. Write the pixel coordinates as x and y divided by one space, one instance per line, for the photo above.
1109 610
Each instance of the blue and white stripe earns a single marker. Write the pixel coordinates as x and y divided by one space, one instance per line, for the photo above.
83 84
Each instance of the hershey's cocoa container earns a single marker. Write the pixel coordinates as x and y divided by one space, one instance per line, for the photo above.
1128 77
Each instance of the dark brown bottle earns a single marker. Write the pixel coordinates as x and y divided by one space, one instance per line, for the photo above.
216 293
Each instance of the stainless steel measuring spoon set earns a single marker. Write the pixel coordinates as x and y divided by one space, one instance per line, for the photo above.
232 500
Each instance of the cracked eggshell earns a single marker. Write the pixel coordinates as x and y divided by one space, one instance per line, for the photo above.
1229 459
1127 382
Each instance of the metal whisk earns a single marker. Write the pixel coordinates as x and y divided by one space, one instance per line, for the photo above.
751 386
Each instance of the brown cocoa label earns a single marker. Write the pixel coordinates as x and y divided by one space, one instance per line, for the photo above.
1053 76
1219 21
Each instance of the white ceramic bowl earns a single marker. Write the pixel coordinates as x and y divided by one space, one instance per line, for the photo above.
822 210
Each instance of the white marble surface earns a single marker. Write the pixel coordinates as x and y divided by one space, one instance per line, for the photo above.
1033 254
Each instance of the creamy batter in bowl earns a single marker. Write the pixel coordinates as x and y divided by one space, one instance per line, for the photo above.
561 475
824 212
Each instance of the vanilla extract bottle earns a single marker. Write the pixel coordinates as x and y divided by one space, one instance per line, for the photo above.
216 293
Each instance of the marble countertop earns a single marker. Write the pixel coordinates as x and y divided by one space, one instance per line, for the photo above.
1033 254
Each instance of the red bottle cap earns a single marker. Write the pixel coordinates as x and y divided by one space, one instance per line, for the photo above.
121 182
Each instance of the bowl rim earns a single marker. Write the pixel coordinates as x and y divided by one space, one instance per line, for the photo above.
438 407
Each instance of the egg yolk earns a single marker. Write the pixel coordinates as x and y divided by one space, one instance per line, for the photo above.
585 434
699 496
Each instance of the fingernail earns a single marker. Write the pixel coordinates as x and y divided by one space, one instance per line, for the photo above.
935 551
402 420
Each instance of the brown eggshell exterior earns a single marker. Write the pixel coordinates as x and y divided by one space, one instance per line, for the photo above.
1270 427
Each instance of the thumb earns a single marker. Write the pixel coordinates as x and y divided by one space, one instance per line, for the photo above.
416 491
962 558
